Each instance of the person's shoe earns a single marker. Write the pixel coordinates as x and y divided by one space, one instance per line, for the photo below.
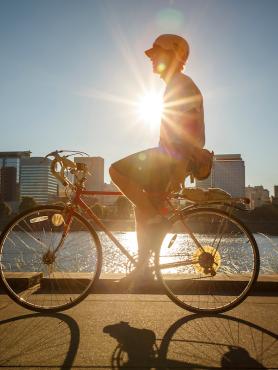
137 280
130 277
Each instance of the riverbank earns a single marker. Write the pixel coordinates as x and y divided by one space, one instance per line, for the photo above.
269 227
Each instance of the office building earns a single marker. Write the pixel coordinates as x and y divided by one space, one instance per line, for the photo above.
8 184
276 191
95 178
274 199
10 174
37 181
228 173
258 196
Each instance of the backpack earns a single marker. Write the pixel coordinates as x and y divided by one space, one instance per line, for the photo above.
198 167
200 164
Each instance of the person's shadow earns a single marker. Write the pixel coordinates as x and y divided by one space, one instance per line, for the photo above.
195 341
137 344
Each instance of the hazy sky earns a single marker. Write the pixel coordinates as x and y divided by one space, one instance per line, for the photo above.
71 72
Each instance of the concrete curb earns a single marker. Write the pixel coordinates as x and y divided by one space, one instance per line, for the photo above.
111 284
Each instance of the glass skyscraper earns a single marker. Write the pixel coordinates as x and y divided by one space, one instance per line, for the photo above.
37 181
10 174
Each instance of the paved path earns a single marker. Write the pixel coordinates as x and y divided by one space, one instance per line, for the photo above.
139 332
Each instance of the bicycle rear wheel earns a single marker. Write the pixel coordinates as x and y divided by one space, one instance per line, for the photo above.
216 275
37 275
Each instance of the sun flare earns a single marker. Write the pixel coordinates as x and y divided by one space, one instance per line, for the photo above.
150 108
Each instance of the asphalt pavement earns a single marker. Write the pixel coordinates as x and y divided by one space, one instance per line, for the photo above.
139 331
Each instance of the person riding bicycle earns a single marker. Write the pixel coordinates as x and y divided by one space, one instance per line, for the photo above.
142 176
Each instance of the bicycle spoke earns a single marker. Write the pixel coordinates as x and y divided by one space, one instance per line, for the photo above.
215 277
34 274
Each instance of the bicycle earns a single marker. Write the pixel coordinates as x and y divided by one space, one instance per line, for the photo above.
51 256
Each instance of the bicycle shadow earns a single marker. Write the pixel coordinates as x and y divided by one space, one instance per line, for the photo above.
195 341
32 339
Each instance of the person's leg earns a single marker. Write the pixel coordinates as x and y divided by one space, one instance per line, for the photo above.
133 191
143 211
133 174
143 240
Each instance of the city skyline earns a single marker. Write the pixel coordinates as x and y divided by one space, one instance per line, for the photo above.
72 72
227 173
33 175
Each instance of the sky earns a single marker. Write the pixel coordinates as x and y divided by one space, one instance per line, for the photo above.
72 73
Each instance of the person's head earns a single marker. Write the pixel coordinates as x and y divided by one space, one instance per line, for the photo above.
168 54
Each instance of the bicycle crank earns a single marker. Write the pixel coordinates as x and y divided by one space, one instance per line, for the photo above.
209 260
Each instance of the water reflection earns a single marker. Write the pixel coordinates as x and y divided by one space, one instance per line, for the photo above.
114 261
79 246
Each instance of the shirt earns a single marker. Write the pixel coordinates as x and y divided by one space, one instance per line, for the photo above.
182 124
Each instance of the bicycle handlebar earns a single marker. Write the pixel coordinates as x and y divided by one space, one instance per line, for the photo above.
66 165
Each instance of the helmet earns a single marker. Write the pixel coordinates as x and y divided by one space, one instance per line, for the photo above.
175 43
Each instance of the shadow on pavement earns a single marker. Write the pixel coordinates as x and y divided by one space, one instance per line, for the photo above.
195 341
32 340
136 347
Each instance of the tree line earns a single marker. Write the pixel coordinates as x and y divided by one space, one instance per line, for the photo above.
120 209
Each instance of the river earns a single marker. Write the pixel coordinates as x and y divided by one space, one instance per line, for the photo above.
115 261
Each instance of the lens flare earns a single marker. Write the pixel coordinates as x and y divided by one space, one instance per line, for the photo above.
150 108
161 67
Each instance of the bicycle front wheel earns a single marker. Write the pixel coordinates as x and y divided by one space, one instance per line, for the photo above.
47 264
211 263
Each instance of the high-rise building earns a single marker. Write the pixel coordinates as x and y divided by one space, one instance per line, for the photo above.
258 196
8 184
95 178
274 199
11 178
228 173
276 191
36 180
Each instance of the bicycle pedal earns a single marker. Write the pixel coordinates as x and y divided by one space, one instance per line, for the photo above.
172 241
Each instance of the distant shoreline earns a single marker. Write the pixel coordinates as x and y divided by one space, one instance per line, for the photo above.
270 228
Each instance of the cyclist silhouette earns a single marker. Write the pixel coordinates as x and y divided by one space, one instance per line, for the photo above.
162 168
137 343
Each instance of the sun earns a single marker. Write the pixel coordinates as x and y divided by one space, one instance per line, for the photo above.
150 108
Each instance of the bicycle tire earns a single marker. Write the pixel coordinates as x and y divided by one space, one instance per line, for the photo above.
216 278
37 278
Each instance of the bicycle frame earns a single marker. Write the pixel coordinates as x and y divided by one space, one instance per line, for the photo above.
79 202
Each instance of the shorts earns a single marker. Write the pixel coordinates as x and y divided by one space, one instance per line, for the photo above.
151 168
